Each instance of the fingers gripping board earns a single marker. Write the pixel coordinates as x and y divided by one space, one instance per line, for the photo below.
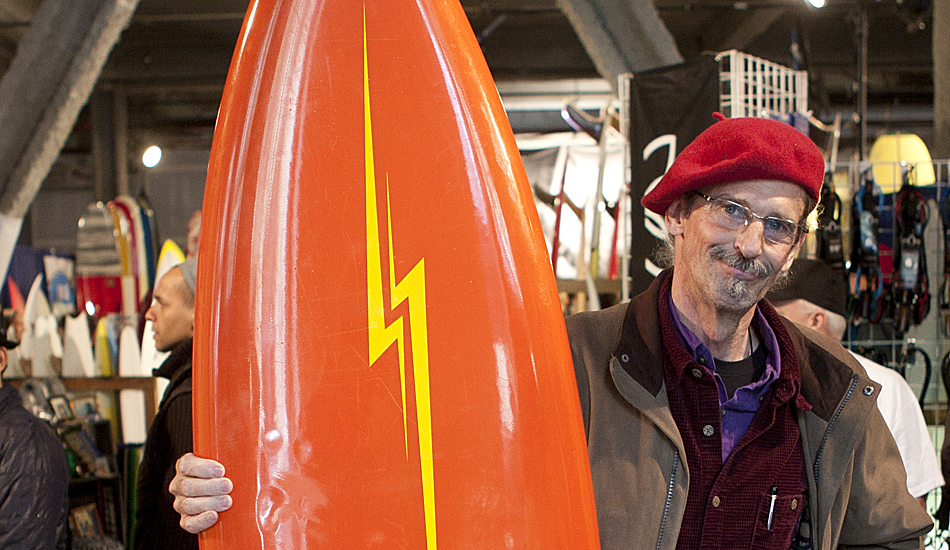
380 356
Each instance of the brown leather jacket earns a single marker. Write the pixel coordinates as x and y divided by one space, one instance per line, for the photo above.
857 485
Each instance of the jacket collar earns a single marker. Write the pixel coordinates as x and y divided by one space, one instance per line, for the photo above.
641 331
179 357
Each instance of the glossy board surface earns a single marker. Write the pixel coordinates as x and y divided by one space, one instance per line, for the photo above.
380 356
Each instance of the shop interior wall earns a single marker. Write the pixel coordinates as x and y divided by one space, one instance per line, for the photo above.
175 188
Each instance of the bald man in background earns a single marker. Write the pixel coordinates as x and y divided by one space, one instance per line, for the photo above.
173 317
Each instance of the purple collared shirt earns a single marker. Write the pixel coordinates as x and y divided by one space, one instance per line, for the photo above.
737 412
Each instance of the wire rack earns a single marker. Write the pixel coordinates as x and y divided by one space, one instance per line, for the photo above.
751 86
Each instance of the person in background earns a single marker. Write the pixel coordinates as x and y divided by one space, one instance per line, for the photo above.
817 297
711 421
173 316
34 474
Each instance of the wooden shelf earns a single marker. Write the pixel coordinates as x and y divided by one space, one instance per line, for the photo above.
604 286
115 383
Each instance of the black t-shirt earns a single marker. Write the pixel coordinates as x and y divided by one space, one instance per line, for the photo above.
736 374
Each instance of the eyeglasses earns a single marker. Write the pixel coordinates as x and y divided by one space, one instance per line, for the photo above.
732 215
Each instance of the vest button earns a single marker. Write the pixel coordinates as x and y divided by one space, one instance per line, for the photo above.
708 430
868 390
794 503
716 502
697 373
701 361
625 358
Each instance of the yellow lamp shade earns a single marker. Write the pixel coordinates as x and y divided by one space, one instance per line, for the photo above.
890 150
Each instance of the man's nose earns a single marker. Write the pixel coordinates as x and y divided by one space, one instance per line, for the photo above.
750 240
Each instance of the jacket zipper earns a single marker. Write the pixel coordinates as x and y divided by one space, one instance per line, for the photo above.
669 498
824 439
831 423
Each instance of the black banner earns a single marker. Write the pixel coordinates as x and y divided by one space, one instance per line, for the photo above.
669 107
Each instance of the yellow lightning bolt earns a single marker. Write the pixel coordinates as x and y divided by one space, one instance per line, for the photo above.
381 336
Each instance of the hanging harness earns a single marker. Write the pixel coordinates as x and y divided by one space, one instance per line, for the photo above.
910 284
945 287
865 256
828 237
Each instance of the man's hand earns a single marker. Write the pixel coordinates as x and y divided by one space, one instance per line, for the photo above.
201 491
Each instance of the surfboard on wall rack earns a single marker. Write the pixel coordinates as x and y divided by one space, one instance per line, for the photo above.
374 299
126 244
133 213
98 268
149 237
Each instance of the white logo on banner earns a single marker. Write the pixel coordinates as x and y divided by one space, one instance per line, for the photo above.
652 221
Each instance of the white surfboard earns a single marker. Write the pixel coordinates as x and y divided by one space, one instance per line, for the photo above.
78 361
46 347
37 306
129 353
132 408
131 402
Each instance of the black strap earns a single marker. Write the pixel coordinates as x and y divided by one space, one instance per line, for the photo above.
910 350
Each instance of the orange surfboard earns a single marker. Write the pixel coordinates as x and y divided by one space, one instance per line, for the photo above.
380 355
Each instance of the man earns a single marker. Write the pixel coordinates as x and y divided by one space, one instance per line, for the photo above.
173 317
34 476
817 297
711 421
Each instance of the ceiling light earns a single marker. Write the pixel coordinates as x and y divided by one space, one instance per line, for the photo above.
152 156
817 3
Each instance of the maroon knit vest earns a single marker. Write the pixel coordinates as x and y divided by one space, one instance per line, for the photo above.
728 505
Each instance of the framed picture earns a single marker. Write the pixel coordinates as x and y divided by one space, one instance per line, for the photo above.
84 521
61 408
85 406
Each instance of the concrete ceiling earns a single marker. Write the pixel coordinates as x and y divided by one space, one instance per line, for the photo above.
172 60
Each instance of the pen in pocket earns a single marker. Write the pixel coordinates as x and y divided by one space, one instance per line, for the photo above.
768 524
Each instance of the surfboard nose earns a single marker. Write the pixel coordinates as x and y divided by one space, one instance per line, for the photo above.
380 355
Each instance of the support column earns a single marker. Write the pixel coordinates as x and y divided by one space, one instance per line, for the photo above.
120 118
941 55
103 144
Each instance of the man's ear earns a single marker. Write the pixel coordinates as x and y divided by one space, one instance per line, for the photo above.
818 321
674 217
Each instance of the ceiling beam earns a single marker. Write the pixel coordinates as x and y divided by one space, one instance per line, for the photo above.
621 36
50 80
751 28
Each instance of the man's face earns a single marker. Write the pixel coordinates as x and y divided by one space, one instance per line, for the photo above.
172 314
732 268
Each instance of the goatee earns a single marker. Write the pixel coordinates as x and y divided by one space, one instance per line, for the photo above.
739 288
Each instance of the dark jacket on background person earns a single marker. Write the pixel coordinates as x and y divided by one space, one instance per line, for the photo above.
169 437
856 488
34 479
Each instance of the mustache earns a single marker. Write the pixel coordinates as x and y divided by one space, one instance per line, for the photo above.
752 266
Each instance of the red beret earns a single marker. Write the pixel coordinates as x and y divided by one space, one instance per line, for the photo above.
741 149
